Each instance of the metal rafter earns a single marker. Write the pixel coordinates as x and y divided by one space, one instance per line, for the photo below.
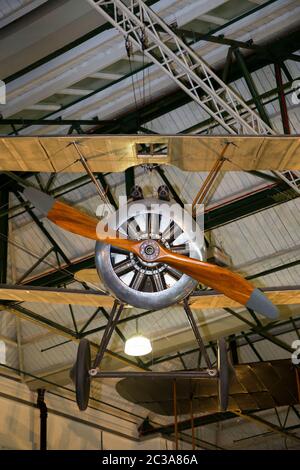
132 121
242 339
282 100
291 178
261 331
144 29
262 51
149 33
251 86
57 328
280 50
55 122
262 422
57 53
41 226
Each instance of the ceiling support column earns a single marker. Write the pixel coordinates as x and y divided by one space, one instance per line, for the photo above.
282 100
251 86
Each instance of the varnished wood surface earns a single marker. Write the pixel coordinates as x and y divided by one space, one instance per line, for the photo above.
115 153
211 299
227 282
221 279
279 296
89 276
231 284
54 296
74 220
92 298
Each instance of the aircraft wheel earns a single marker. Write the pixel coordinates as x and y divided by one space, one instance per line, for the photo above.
80 374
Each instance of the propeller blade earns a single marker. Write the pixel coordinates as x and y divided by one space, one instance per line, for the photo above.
223 280
63 215
231 284
73 220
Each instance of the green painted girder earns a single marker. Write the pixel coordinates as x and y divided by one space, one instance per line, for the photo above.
107 26
53 122
233 43
63 275
250 338
249 204
251 86
131 122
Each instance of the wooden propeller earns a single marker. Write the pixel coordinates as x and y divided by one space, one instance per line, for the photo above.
221 279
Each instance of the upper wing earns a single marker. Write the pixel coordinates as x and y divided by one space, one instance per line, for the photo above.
116 153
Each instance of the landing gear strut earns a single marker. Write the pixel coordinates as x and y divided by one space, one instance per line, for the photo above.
84 371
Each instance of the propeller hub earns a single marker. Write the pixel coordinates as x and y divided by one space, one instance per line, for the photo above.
149 250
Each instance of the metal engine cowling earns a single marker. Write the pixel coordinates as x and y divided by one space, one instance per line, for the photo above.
143 284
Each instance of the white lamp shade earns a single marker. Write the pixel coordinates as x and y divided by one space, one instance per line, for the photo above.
138 346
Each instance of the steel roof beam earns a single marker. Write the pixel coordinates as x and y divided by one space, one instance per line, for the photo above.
261 331
56 122
41 226
282 100
180 63
266 98
261 50
67 111
251 86
56 328
107 26
132 121
262 422
242 339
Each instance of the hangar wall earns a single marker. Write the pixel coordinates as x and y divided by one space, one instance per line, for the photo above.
19 424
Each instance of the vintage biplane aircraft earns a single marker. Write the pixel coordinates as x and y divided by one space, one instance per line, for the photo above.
150 261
